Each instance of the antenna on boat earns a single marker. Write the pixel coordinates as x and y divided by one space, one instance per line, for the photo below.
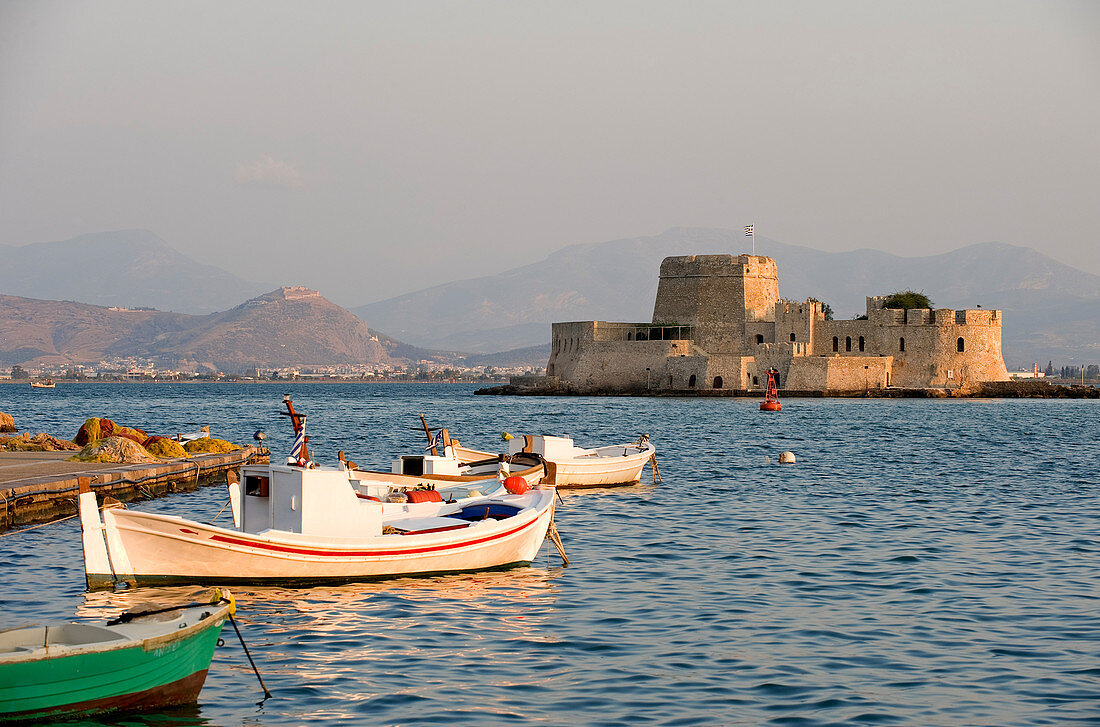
428 431
298 420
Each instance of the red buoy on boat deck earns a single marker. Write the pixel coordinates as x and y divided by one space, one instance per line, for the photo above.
771 394
515 485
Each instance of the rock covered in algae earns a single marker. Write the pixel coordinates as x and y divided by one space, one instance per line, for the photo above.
40 442
206 445
20 444
96 428
164 448
7 422
119 450
93 429
51 443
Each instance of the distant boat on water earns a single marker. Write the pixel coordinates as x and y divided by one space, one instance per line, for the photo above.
47 384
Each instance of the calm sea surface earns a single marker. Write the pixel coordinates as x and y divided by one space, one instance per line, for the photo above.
924 563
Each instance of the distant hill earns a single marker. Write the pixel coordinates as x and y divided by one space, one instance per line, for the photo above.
1049 307
287 327
290 326
128 268
65 332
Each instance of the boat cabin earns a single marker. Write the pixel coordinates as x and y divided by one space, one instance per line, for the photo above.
421 465
551 448
317 501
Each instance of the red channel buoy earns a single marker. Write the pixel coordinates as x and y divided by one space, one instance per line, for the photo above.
771 394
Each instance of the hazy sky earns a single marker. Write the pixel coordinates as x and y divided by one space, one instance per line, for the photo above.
369 149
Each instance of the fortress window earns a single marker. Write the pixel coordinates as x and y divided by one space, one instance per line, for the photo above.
755 381
847 343
901 344
792 338
718 382
960 345
836 344
630 335
691 381
759 338
861 343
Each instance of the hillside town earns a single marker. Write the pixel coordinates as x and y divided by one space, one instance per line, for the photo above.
144 370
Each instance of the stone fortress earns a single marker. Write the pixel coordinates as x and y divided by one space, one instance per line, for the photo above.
719 323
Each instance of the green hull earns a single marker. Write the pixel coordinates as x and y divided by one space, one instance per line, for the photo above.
170 672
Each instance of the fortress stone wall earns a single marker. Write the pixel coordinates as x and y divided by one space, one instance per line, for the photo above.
719 323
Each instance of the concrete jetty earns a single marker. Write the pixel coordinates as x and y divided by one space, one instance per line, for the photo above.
38 487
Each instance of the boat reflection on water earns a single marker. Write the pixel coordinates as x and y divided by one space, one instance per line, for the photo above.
316 638
100 605
511 600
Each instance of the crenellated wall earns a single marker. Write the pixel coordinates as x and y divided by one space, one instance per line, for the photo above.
718 322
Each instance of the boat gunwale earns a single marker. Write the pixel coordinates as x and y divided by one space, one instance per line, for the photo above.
149 643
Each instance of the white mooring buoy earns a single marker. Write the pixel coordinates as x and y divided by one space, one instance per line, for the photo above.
787 458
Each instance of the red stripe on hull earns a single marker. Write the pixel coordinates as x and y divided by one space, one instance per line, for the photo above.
182 691
367 553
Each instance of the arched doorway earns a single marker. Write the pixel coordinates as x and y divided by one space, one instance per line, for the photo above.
691 381
718 382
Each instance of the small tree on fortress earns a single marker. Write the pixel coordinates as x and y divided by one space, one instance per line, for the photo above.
825 308
906 299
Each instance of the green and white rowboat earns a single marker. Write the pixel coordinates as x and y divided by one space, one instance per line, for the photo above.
140 661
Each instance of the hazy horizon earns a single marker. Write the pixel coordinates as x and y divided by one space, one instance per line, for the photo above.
371 150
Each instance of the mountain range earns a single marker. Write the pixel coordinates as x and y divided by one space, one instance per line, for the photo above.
287 327
1050 308
130 268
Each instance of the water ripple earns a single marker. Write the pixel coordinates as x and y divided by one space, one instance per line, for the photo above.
925 562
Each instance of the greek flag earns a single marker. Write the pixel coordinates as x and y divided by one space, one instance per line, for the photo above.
299 442
436 441
748 230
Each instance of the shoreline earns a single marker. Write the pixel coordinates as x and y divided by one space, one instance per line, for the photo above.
25 382
988 390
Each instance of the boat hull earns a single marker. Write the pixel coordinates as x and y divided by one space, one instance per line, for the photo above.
602 472
146 548
581 472
160 672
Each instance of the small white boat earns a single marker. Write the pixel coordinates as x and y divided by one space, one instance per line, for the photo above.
47 384
300 523
451 476
568 466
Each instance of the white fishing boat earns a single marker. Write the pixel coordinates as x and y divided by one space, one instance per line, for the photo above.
47 384
299 523
451 476
569 466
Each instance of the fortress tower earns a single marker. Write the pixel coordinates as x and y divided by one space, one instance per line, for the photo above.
717 295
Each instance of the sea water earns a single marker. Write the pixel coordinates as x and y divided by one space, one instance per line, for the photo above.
925 562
